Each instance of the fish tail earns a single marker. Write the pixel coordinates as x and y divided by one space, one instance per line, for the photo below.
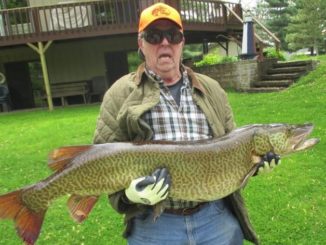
28 223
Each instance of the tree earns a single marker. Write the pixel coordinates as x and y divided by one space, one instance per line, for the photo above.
307 27
260 12
8 4
279 14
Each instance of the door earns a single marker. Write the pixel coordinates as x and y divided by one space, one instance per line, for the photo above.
19 84
116 66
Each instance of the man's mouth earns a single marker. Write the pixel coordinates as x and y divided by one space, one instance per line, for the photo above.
165 56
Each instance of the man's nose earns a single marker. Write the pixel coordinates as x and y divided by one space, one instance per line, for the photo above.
165 41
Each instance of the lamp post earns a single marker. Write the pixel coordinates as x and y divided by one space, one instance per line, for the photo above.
248 50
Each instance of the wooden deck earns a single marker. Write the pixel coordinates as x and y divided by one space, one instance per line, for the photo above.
110 17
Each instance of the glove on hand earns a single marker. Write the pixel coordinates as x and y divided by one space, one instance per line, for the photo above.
151 189
268 163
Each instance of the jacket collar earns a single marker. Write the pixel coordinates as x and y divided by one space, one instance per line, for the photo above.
141 74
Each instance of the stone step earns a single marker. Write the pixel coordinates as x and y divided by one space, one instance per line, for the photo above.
273 83
285 76
287 70
264 90
292 63
281 76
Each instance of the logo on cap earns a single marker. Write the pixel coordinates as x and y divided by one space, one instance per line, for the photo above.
161 10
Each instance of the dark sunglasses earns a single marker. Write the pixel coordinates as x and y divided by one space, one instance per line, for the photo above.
156 36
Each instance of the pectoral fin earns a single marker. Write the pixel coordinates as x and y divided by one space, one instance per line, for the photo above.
158 210
81 206
248 175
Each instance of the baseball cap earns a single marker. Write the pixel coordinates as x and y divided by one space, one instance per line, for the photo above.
156 12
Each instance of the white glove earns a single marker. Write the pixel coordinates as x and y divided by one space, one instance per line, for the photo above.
269 162
151 189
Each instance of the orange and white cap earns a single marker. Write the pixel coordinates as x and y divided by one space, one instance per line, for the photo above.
156 12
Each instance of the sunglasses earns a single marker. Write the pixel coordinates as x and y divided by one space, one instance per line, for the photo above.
156 36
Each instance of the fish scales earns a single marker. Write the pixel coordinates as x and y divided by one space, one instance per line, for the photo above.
200 171
113 169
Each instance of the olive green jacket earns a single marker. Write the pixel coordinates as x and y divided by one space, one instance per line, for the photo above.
120 120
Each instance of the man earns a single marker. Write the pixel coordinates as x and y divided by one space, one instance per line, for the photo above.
165 100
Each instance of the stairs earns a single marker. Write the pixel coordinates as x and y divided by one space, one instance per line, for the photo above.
280 75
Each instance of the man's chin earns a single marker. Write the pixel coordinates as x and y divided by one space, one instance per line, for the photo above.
166 66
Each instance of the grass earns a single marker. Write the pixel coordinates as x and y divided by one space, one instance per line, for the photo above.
287 206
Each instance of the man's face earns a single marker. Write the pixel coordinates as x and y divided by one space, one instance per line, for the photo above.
163 57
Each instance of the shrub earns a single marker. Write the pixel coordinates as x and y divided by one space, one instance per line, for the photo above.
213 59
271 53
209 59
229 59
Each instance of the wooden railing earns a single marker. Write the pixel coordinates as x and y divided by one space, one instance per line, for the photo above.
72 20
193 11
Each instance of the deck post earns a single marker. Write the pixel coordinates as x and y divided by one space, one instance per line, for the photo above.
41 49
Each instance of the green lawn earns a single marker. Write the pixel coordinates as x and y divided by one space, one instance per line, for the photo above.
288 206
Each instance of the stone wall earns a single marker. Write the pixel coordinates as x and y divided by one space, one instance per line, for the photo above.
237 75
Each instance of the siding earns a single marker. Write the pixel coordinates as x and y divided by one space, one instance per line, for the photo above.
73 61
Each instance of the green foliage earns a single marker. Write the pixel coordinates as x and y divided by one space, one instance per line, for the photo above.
279 13
192 51
14 4
213 59
301 57
286 206
133 61
229 59
305 29
272 53
209 59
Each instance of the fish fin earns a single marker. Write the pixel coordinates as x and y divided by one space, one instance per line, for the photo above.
28 223
248 175
81 206
59 158
158 209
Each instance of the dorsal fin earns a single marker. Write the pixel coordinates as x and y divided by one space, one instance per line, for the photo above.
59 158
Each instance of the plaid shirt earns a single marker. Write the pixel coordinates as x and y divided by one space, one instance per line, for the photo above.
177 123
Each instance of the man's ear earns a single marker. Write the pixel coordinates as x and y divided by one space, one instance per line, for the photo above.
140 43
140 52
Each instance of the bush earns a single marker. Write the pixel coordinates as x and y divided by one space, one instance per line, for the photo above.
271 53
229 59
133 61
213 59
209 59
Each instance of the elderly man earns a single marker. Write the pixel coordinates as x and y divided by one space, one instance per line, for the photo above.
164 100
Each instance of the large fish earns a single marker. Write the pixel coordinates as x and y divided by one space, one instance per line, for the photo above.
200 171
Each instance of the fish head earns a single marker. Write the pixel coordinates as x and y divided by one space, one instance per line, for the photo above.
283 139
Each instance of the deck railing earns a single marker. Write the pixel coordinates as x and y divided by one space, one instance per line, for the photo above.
71 20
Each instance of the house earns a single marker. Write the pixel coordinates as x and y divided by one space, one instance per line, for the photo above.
70 49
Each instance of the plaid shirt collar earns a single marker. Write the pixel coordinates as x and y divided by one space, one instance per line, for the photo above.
158 79
143 71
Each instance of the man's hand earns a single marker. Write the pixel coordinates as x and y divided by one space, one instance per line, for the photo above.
151 189
268 163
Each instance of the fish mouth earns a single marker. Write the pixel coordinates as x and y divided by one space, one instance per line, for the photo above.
299 137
